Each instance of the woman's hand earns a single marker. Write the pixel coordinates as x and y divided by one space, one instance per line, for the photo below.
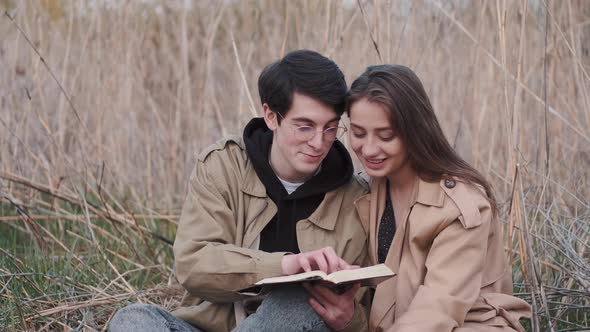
324 259
336 310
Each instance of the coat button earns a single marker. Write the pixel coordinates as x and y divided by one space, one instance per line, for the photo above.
450 183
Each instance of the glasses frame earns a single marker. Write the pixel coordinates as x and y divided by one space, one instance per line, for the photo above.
296 131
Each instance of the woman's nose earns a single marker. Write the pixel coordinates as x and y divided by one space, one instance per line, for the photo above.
370 149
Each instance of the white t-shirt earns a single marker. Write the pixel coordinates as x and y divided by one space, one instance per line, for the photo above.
290 186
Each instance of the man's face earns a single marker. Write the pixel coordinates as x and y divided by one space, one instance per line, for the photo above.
292 158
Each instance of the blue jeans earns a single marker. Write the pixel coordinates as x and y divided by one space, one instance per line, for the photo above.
284 309
148 318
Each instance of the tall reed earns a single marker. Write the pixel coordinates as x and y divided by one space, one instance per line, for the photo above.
105 104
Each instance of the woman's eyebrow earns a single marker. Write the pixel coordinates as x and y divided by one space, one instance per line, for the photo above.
352 125
384 129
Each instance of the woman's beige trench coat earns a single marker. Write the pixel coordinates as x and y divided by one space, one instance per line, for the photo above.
448 254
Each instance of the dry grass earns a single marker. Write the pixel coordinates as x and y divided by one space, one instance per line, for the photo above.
99 130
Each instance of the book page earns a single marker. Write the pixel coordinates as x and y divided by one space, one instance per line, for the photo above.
378 272
299 277
368 276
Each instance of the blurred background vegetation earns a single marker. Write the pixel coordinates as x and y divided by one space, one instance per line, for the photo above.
104 105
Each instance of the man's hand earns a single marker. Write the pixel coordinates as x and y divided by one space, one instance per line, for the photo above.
324 259
336 310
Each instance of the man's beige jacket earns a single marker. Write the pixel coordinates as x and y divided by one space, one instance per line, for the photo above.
217 238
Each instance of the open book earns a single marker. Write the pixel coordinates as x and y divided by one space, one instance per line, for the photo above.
367 276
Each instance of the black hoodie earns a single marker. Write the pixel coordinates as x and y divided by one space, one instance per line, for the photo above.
280 233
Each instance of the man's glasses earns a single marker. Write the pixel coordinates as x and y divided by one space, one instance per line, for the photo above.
307 133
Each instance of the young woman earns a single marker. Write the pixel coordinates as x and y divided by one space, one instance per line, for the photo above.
431 217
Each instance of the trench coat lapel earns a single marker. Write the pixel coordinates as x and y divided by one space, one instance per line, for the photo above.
261 209
384 296
426 193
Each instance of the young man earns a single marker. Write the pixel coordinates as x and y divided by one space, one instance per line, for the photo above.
277 201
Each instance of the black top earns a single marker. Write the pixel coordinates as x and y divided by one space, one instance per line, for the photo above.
386 229
281 234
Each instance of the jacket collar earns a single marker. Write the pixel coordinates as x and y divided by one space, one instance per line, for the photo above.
251 184
429 193
324 216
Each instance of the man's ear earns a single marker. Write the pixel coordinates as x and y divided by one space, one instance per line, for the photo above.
270 117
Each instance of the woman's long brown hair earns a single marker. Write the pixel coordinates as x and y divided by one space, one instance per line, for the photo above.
400 90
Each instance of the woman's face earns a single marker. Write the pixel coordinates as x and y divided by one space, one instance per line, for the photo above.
374 141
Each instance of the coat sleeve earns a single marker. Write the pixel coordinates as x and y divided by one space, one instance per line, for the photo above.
208 264
452 283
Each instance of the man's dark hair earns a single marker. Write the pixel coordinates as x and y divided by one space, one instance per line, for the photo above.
305 72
